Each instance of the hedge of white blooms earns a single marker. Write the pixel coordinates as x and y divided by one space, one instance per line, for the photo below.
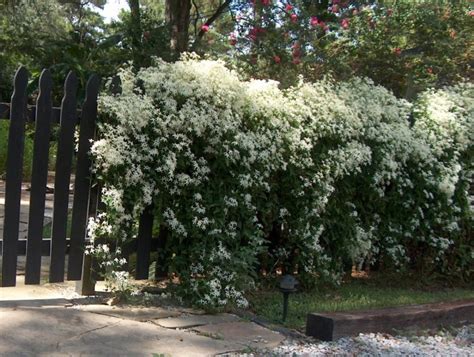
250 179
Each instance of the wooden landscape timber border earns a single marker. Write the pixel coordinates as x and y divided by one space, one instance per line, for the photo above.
331 326
43 114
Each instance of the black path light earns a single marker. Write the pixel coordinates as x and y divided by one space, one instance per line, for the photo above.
288 284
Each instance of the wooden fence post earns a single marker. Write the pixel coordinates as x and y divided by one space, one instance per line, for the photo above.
83 180
16 138
145 230
160 268
39 179
86 286
62 178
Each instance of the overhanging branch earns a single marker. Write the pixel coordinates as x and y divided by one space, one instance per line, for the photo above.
219 11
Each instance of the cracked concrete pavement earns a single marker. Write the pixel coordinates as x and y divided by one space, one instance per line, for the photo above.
52 320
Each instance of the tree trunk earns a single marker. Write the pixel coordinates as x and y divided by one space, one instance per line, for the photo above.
136 33
178 17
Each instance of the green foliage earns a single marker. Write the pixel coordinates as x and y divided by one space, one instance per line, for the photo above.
59 36
27 156
154 37
27 30
403 45
28 151
407 47
3 144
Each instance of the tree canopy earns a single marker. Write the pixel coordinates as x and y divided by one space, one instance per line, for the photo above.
405 46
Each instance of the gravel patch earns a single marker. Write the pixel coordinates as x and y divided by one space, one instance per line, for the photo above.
453 342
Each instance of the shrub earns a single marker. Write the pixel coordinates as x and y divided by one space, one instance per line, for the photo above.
27 154
28 150
247 177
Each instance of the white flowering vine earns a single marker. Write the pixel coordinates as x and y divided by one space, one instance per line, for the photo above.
248 177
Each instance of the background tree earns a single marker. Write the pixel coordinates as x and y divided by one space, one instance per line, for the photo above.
136 32
406 46
178 18
402 45
48 34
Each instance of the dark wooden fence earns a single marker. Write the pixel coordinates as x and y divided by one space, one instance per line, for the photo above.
44 115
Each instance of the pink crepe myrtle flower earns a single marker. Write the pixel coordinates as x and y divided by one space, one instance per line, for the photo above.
294 18
296 60
345 24
314 21
205 28
334 9
266 2
232 39
296 50
253 33
277 59
288 7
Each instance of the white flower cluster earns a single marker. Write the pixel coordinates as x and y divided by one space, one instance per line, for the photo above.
332 168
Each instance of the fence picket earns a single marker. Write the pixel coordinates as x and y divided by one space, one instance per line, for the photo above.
63 179
82 181
16 137
145 230
39 178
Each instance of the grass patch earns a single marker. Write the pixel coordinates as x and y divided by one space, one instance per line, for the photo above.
353 294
